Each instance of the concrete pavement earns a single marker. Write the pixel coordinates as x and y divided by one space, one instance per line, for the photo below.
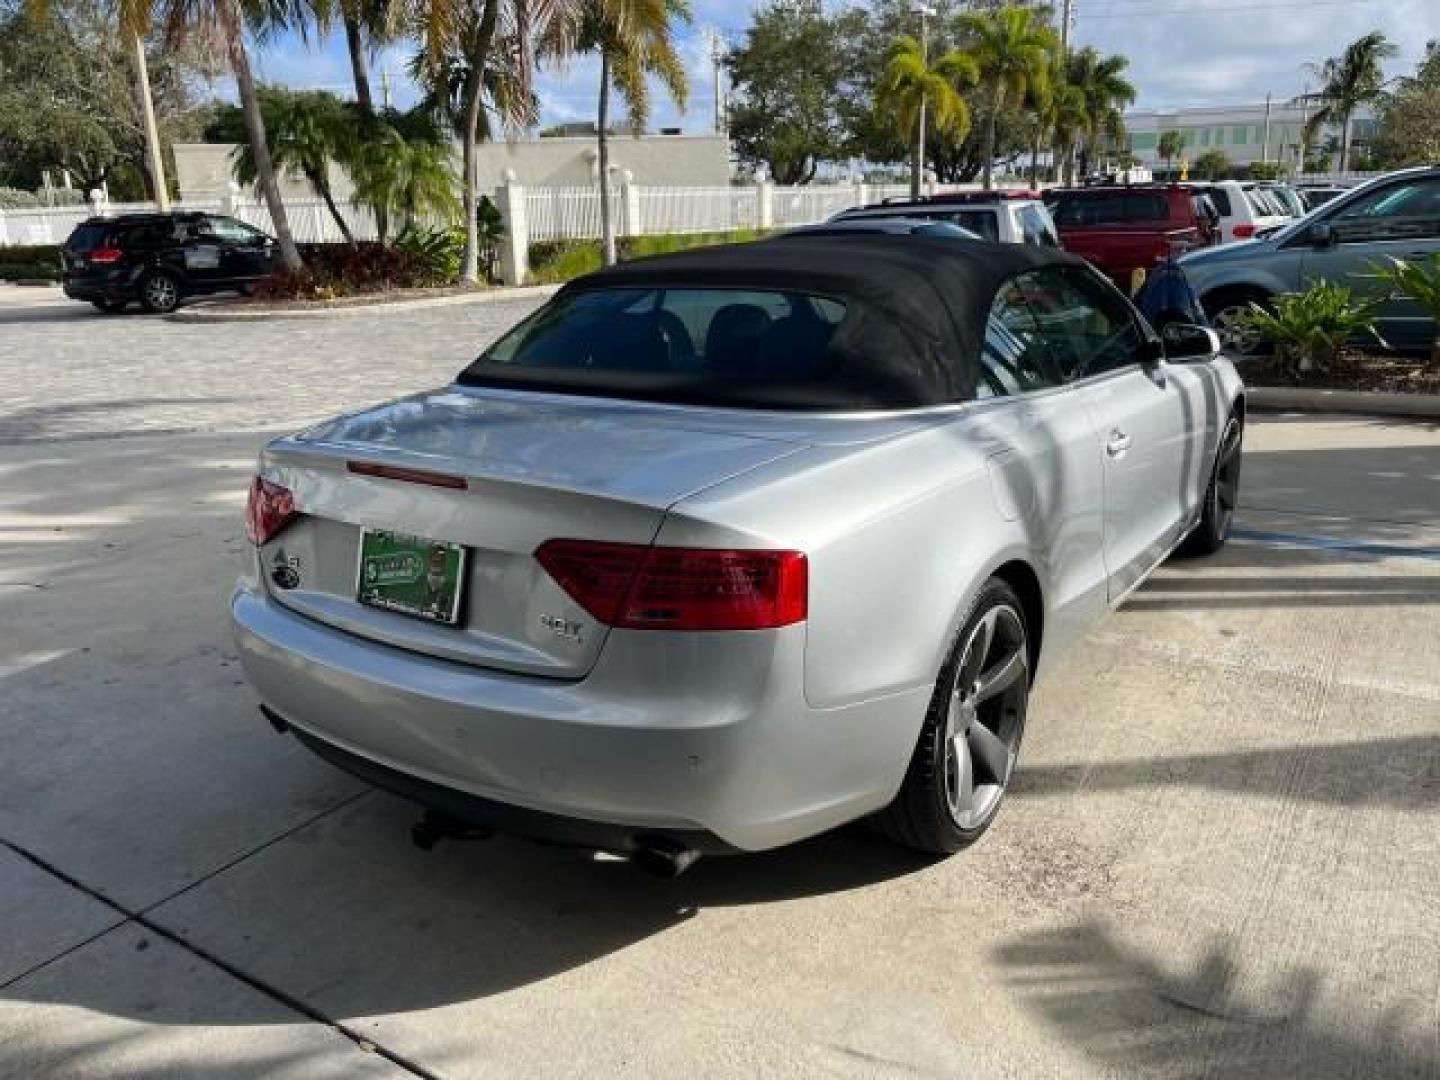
1221 856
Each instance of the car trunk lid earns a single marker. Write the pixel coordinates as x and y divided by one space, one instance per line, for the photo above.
498 474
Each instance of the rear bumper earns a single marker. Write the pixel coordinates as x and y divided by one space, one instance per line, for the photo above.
671 734
99 287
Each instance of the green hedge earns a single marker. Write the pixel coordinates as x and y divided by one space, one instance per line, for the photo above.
34 261
556 261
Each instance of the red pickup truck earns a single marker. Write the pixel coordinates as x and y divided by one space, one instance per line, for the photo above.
1124 229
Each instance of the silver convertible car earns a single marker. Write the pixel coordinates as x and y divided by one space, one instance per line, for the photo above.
723 549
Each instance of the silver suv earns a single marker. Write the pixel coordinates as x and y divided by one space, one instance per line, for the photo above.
1394 216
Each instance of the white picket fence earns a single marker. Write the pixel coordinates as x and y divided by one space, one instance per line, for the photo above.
550 213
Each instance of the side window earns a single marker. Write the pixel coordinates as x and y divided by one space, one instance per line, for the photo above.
1035 227
981 222
230 231
1086 326
1404 211
1014 358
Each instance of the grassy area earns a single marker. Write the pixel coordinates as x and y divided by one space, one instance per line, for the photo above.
556 261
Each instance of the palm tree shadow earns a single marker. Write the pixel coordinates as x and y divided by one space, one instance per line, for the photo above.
1135 1019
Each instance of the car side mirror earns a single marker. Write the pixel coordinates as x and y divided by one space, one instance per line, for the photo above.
1321 234
1185 341
1152 353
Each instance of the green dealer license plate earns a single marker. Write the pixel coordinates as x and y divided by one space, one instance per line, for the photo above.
411 575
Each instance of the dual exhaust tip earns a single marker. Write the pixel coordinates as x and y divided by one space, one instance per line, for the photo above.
656 855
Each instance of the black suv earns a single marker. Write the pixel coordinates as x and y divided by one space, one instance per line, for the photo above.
158 259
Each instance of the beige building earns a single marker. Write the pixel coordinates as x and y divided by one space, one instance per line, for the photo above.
1243 133
203 169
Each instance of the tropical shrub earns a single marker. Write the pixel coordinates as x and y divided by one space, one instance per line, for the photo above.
1310 330
555 261
335 270
1419 280
35 262
437 252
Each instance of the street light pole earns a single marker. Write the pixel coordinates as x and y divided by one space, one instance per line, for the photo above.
918 173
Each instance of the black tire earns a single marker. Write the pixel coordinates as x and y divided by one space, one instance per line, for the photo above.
160 292
925 814
109 307
1221 307
1221 495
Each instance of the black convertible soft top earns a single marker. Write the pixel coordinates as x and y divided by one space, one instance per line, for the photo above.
939 291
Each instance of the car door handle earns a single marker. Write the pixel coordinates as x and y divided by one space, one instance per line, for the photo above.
1118 444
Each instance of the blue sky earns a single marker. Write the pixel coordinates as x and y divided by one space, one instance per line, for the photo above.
1182 52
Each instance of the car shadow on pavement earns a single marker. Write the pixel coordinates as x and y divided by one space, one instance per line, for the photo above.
348 917
1135 1015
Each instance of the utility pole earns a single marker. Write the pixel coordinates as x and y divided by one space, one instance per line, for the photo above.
918 177
1304 132
1067 19
1265 142
385 87
147 116
717 57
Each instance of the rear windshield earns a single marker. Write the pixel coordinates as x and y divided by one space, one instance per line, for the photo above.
87 237
707 346
1077 209
735 334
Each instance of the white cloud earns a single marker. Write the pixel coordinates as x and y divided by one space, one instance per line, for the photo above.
1180 53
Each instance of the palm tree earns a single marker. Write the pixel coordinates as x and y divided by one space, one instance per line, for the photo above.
1354 78
1058 110
1170 146
635 40
306 131
1105 91
474 31
911 84
367 23
407 168
1013 50
224 22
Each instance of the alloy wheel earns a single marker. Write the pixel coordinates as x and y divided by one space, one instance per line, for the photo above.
986 716
161 292
1235 336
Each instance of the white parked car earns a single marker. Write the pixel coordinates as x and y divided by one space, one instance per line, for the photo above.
1005 217
1246 210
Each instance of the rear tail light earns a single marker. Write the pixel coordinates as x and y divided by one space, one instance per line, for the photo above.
105 255
1244 232
269 509
669 588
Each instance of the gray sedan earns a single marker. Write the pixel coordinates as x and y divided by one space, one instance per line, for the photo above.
723 549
